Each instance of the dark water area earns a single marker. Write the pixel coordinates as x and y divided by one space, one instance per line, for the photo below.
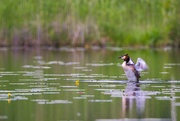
74 84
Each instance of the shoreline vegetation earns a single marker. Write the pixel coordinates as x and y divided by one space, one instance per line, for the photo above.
86 23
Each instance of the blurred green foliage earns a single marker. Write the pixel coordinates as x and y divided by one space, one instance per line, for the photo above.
81 22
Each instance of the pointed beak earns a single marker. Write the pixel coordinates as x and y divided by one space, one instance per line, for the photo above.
120 57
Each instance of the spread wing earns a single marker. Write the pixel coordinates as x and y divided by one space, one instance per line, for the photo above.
141 65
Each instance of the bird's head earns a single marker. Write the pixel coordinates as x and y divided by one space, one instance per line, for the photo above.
125 57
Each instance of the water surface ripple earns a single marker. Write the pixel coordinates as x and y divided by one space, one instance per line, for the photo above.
87 85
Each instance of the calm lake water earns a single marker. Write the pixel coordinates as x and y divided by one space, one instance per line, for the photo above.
87 85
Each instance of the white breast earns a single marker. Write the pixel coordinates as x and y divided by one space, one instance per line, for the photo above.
129 72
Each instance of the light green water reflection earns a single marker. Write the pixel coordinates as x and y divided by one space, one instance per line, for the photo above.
40 85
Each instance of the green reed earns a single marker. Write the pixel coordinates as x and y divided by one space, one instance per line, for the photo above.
89 22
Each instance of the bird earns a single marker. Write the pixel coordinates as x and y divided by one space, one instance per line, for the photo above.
131 70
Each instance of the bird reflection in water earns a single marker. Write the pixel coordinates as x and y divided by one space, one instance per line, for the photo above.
133 95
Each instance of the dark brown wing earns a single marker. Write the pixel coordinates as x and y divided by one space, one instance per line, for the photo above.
137 74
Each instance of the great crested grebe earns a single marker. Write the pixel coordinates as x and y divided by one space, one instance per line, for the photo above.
132 70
